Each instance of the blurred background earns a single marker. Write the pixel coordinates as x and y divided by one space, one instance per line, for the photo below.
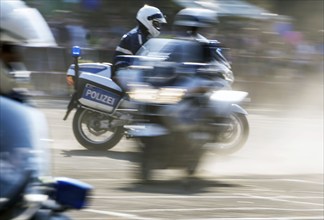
276 47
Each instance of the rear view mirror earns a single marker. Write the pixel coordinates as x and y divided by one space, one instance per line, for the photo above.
76 51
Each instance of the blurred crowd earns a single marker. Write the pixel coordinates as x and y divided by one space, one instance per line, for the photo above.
259 48
256 47
272 48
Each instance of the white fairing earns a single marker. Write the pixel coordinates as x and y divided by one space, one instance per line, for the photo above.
101 69
107 82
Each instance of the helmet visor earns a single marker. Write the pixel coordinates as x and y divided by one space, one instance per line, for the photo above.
156 24
157 20
157 17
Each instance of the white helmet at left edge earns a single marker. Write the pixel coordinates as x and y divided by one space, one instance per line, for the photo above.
20 24
152 18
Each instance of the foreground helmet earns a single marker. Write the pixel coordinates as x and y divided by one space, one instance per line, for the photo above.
20 24
195 17
152 18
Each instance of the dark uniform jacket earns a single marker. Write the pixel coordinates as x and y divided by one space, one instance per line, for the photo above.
129 45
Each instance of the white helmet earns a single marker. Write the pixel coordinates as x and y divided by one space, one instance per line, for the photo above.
195 17
20 24
152 18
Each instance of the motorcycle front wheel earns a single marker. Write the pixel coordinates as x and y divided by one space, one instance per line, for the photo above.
233 138
168 151
92 130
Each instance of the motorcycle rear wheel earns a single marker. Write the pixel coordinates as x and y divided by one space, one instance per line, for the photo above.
88 133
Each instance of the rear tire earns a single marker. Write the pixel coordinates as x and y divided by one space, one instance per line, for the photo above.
90 137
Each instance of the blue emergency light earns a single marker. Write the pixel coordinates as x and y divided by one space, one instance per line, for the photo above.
76 51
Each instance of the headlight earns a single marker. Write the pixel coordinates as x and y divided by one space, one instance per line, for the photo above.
228 96
161 95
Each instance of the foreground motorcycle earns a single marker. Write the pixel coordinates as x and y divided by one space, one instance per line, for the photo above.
27 190
185 103
101 108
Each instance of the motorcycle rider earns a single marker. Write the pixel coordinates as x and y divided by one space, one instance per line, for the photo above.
149 21
189 21
23 154
187 24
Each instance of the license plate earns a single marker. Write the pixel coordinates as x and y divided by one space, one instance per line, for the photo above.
96 94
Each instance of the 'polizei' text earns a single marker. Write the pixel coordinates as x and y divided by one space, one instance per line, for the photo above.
100 97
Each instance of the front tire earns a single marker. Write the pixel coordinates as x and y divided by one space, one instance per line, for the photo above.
87 131
232 139
174 150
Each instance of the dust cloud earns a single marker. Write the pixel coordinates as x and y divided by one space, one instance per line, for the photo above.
286 132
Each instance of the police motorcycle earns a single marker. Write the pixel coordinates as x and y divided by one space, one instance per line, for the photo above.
101 110
28 191
182 89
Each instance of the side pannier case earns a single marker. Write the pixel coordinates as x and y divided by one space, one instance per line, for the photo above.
98 92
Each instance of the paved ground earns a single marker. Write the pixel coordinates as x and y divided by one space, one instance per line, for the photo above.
277 175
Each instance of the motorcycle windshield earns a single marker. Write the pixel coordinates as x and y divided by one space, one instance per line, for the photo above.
174 50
